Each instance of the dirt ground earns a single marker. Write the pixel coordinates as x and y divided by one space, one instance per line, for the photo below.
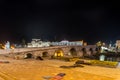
31 69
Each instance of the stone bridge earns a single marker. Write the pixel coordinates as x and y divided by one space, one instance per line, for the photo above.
76 51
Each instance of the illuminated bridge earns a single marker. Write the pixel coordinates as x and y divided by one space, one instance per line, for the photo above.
58 51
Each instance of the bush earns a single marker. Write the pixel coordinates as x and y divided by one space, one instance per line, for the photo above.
104 63
66 58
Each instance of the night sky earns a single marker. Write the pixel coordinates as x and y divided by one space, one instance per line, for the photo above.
59 19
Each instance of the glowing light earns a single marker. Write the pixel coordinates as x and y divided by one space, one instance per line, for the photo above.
59 53
12 47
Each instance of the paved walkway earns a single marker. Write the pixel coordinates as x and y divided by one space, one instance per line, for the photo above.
35 70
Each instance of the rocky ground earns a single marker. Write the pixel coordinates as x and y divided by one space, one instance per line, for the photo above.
30 69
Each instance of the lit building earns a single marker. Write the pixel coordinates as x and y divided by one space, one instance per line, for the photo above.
38 43
67 43
118 43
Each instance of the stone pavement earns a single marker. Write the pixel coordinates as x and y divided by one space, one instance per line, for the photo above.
36 69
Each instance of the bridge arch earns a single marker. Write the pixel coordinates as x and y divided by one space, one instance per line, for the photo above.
91 51
45 54
59 53
28 55
73 52
84 51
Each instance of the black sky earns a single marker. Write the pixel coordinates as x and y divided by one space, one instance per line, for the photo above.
57 20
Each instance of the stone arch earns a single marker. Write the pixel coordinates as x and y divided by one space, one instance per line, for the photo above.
84 51
73 52
45 54
28 55
97 50
91 51
59 53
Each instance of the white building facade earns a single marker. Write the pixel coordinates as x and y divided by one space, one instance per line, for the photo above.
38 43
67 43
